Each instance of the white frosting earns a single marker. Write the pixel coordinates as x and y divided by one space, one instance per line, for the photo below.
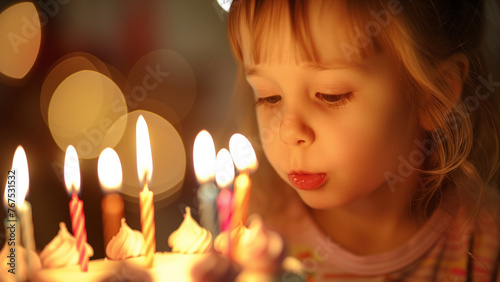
61 251
190 238
19 263
238 236
127 243
167 267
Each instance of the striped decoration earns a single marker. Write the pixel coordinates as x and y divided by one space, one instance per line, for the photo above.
79 230
148 224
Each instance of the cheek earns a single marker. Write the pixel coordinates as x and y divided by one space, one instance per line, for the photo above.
374 132
269 125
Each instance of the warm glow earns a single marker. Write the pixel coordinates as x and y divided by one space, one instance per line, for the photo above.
242 182
20 163
204 157
109 170
144 156
224 169
20 30
22 179
72 170
83 110
242 152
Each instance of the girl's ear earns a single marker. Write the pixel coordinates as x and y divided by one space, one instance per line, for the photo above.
452 73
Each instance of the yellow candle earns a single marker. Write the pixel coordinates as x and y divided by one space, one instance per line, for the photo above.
241 199
245 161
148 223
146 204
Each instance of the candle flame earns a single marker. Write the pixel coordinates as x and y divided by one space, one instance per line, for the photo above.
224 169
109 170
243 153
144 156
71 170
242 182
21 178
204 157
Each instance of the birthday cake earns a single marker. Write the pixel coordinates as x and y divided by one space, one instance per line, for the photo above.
256 255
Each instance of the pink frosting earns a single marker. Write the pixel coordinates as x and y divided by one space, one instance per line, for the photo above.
264 251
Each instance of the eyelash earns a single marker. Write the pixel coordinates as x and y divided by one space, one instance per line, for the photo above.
333 101
338 100
270 100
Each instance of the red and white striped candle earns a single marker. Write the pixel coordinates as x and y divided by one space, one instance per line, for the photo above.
72 181
79 230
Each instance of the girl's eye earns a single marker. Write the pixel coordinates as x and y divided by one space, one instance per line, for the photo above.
335 100
270 100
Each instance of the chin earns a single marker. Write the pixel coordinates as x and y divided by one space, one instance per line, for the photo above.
318 201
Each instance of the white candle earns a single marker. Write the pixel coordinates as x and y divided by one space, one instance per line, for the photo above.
204 168
20 164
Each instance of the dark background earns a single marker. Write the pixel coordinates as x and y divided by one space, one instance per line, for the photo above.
118 33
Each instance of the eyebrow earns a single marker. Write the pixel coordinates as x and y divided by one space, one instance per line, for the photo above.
253 71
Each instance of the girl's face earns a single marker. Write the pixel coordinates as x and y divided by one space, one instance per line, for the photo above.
331 130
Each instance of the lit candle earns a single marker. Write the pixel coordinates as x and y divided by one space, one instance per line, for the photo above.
204 168
10 222
145 171
224 176
109 170
72 181
20 164
245 161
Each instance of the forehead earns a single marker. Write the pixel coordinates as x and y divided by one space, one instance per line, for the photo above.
318 31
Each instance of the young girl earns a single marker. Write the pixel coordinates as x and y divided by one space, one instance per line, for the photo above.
382 119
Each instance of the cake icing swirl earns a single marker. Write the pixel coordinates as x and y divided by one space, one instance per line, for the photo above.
20 263
190 238
127 243
61 251
238 236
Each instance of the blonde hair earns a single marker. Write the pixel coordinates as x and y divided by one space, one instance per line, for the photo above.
422 36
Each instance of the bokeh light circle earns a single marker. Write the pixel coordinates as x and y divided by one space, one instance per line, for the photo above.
169 158
21 35
84 109
162 77
64 67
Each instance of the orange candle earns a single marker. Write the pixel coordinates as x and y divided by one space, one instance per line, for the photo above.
110 174
112 207
146 203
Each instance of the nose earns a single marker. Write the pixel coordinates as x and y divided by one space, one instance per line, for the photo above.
295 131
